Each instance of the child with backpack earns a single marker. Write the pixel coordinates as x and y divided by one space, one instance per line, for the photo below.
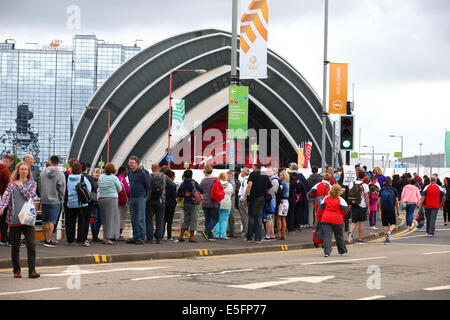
388 201
373 206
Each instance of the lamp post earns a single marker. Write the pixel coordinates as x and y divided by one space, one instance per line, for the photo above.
373 155
420 157
401 149
198 71
109 121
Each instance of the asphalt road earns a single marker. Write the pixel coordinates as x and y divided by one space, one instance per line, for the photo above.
413 266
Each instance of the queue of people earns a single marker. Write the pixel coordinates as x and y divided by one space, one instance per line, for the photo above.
272 203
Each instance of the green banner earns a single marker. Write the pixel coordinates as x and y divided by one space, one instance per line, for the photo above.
238 112
447 149
398 155
354 155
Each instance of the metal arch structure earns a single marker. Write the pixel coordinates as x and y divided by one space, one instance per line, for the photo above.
137 96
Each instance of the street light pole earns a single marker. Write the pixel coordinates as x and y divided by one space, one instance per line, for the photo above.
373 155
420 157
324 108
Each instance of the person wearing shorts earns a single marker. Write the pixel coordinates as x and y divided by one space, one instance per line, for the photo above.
388 217
359 212
52 187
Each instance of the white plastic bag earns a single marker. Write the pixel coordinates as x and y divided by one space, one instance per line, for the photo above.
27 214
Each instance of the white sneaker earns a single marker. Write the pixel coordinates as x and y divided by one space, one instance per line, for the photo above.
374 228
350 238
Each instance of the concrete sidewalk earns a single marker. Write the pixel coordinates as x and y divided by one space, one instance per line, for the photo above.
76 254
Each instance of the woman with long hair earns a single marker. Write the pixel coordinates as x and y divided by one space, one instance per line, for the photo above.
283 208
410 197
330 213
20 189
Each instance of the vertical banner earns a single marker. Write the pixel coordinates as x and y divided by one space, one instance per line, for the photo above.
238 112
178 114
300 157
447 149
338 88
253 42
308 148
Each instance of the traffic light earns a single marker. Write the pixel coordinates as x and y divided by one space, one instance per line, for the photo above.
346 132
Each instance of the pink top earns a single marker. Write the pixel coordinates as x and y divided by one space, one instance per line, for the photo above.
125 183
410 194
373 199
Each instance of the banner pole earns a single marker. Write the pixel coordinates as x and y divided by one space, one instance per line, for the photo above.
324 108
234 78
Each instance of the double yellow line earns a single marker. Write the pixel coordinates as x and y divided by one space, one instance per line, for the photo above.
398 235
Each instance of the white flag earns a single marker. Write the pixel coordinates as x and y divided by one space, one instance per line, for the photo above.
253 43
178 114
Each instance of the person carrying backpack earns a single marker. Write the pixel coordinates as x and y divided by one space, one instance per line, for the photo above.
358 199
156 203
77 204
388 201
320 190
187 191
211 201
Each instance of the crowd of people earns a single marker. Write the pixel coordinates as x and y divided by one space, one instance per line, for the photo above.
272 203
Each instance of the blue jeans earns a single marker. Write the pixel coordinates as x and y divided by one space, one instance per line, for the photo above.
211 218
157 208
255 214
137 212
410 214
221 227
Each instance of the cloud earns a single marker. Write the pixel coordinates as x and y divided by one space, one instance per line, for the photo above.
396 50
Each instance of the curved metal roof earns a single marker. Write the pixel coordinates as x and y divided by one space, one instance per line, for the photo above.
137 96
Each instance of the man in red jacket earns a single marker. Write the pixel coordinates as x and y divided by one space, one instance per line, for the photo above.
434 198
7 161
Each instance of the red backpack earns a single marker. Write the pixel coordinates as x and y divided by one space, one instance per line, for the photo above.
123 196
217 192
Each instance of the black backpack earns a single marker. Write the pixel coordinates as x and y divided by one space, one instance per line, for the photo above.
83 193
354 195
157 186
279 193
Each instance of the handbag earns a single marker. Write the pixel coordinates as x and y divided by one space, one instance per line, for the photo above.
318 234
27 215
196 197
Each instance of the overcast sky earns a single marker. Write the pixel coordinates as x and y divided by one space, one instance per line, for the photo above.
397 50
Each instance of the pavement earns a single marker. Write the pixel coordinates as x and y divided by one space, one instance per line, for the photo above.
99 253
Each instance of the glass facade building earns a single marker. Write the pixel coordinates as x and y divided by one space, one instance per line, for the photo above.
43 92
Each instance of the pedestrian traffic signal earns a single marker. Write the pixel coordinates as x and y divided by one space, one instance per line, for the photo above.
346 136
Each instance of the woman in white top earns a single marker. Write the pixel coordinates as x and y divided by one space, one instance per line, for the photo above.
220 230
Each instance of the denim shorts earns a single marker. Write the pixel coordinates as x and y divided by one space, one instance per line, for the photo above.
50 212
